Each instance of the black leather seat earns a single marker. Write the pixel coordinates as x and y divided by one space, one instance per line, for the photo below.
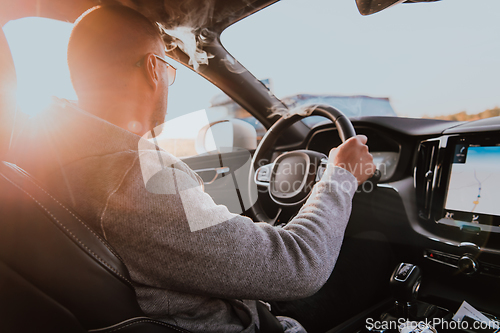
56 274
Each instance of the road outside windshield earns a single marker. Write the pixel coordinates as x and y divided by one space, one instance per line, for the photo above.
475 180
427 59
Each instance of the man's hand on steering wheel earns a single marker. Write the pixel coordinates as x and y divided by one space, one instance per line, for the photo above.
307 165
353 156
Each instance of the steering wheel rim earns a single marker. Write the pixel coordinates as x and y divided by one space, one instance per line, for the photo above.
344 127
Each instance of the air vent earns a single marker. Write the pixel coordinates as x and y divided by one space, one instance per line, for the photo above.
425 175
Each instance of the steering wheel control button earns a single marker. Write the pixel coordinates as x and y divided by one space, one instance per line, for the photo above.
263 175
467 264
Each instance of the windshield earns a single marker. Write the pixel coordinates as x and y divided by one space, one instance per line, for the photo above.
437 60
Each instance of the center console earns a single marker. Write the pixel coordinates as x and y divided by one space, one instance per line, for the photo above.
405 313
457 183
457 180
468 187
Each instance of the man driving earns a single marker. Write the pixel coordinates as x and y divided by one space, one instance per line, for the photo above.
87 155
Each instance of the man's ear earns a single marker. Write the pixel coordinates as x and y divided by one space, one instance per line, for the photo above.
151 70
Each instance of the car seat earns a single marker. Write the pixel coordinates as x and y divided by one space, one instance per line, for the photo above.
57 274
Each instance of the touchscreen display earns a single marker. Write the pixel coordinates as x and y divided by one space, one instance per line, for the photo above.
474 185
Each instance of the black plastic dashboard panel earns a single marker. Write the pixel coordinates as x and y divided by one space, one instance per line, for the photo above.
391 210
408 126
325 138
394 210
482 125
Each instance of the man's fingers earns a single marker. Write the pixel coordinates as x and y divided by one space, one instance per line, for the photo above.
362 138
332 153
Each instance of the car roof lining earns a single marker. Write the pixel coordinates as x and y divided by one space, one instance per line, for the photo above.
168 12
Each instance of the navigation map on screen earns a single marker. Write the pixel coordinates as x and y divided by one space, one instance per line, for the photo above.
475 180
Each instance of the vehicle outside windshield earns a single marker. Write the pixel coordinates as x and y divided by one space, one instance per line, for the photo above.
417 60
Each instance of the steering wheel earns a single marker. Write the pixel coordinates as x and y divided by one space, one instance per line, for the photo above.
290 178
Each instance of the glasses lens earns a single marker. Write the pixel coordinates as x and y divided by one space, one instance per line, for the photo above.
171 72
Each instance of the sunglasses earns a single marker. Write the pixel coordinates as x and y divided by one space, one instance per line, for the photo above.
171 70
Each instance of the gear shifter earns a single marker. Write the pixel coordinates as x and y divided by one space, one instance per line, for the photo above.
405 283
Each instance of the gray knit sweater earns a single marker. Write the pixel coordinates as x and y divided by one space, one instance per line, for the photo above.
195 280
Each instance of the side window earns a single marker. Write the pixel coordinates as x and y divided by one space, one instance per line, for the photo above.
38 47
193 103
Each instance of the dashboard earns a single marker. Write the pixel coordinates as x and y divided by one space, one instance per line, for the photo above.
385 150
437 204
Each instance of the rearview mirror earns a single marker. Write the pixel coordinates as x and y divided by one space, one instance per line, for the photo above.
368 7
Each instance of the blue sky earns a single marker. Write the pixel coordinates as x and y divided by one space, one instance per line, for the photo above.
432 58
429 59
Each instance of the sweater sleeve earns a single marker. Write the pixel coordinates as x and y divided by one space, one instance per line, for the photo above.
152 229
